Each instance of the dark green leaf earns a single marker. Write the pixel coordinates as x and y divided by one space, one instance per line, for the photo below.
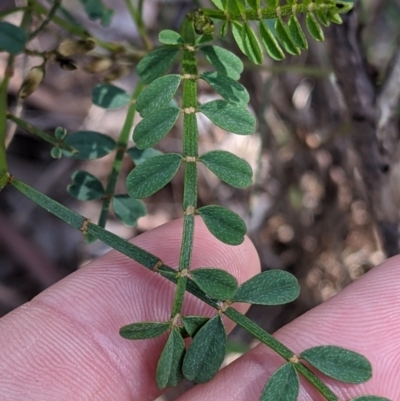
169 367
283 385
224 61
139 156
193 324
85 186
228 88
60 133
155 126
296 33
56 153
221 4
229 116
314 28
251 45
128 209
203 39
323 17
237 32
140 331
228 167
206 352
235 7
224 224
339 363
254 4
271 287
109 96
95 10
89 144
158 94
283 35
216 283
154 64
12 38
370 398
270 43
153 174
168 37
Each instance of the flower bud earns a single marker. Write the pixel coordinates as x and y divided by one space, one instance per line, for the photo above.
70 47
66 64
99 64
32 81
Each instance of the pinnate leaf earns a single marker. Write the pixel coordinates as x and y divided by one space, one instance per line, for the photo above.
228 167
206 352
314 28
283 35
128 209
283 385
139 156
339 363
12 38
85 186
109 96
296 33
224 224
216 283
153 174
140 331
229 116
193 324
271 287
270 43
251 45
169 37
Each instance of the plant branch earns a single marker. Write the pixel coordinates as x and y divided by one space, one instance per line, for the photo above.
137 18
47 20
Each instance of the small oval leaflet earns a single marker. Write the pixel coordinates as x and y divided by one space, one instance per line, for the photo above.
206 352
154 64
314 28
251 45
296 33
193 324
158 94
271 287
109 96
283 385
270 43
85 186
139 156
323 17
169 37
155 126
153 174
237 29
283 35
228 167
128 209
224 61
143 330
229 116
89 144
216 283
169 367
224 224
339 363
12 38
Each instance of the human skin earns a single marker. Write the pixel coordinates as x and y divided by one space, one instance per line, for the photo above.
64 344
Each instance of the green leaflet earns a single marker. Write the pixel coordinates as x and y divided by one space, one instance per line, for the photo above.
85 186
155 126
254 4
192 324
271 287
60 133
224 224
370 398
95 10
314 28
229 116
237 29
139 156
203 39
220 4
169 367
228 88
283 385
334 17
224 61
270 43
228 167
158 94
296 33
56 153
141 331
154 64
128 209
339 363
168 37
283 35
322 17
89 144
12 38
251 45
109 96
153 174
206 352
216 283
235 7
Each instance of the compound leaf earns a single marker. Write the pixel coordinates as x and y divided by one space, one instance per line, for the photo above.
271 287
85 186
169 37
193 324
270 43
128 209
251 45
296 33
314 28
140 331
109 96
12 38
229 116
139 156
339 363
228 167
216 283
153 174
206 352
224 224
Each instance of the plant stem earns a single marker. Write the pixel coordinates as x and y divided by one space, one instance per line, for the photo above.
122 144
46 21
137 18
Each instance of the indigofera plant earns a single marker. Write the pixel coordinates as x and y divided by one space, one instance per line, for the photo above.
161 99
